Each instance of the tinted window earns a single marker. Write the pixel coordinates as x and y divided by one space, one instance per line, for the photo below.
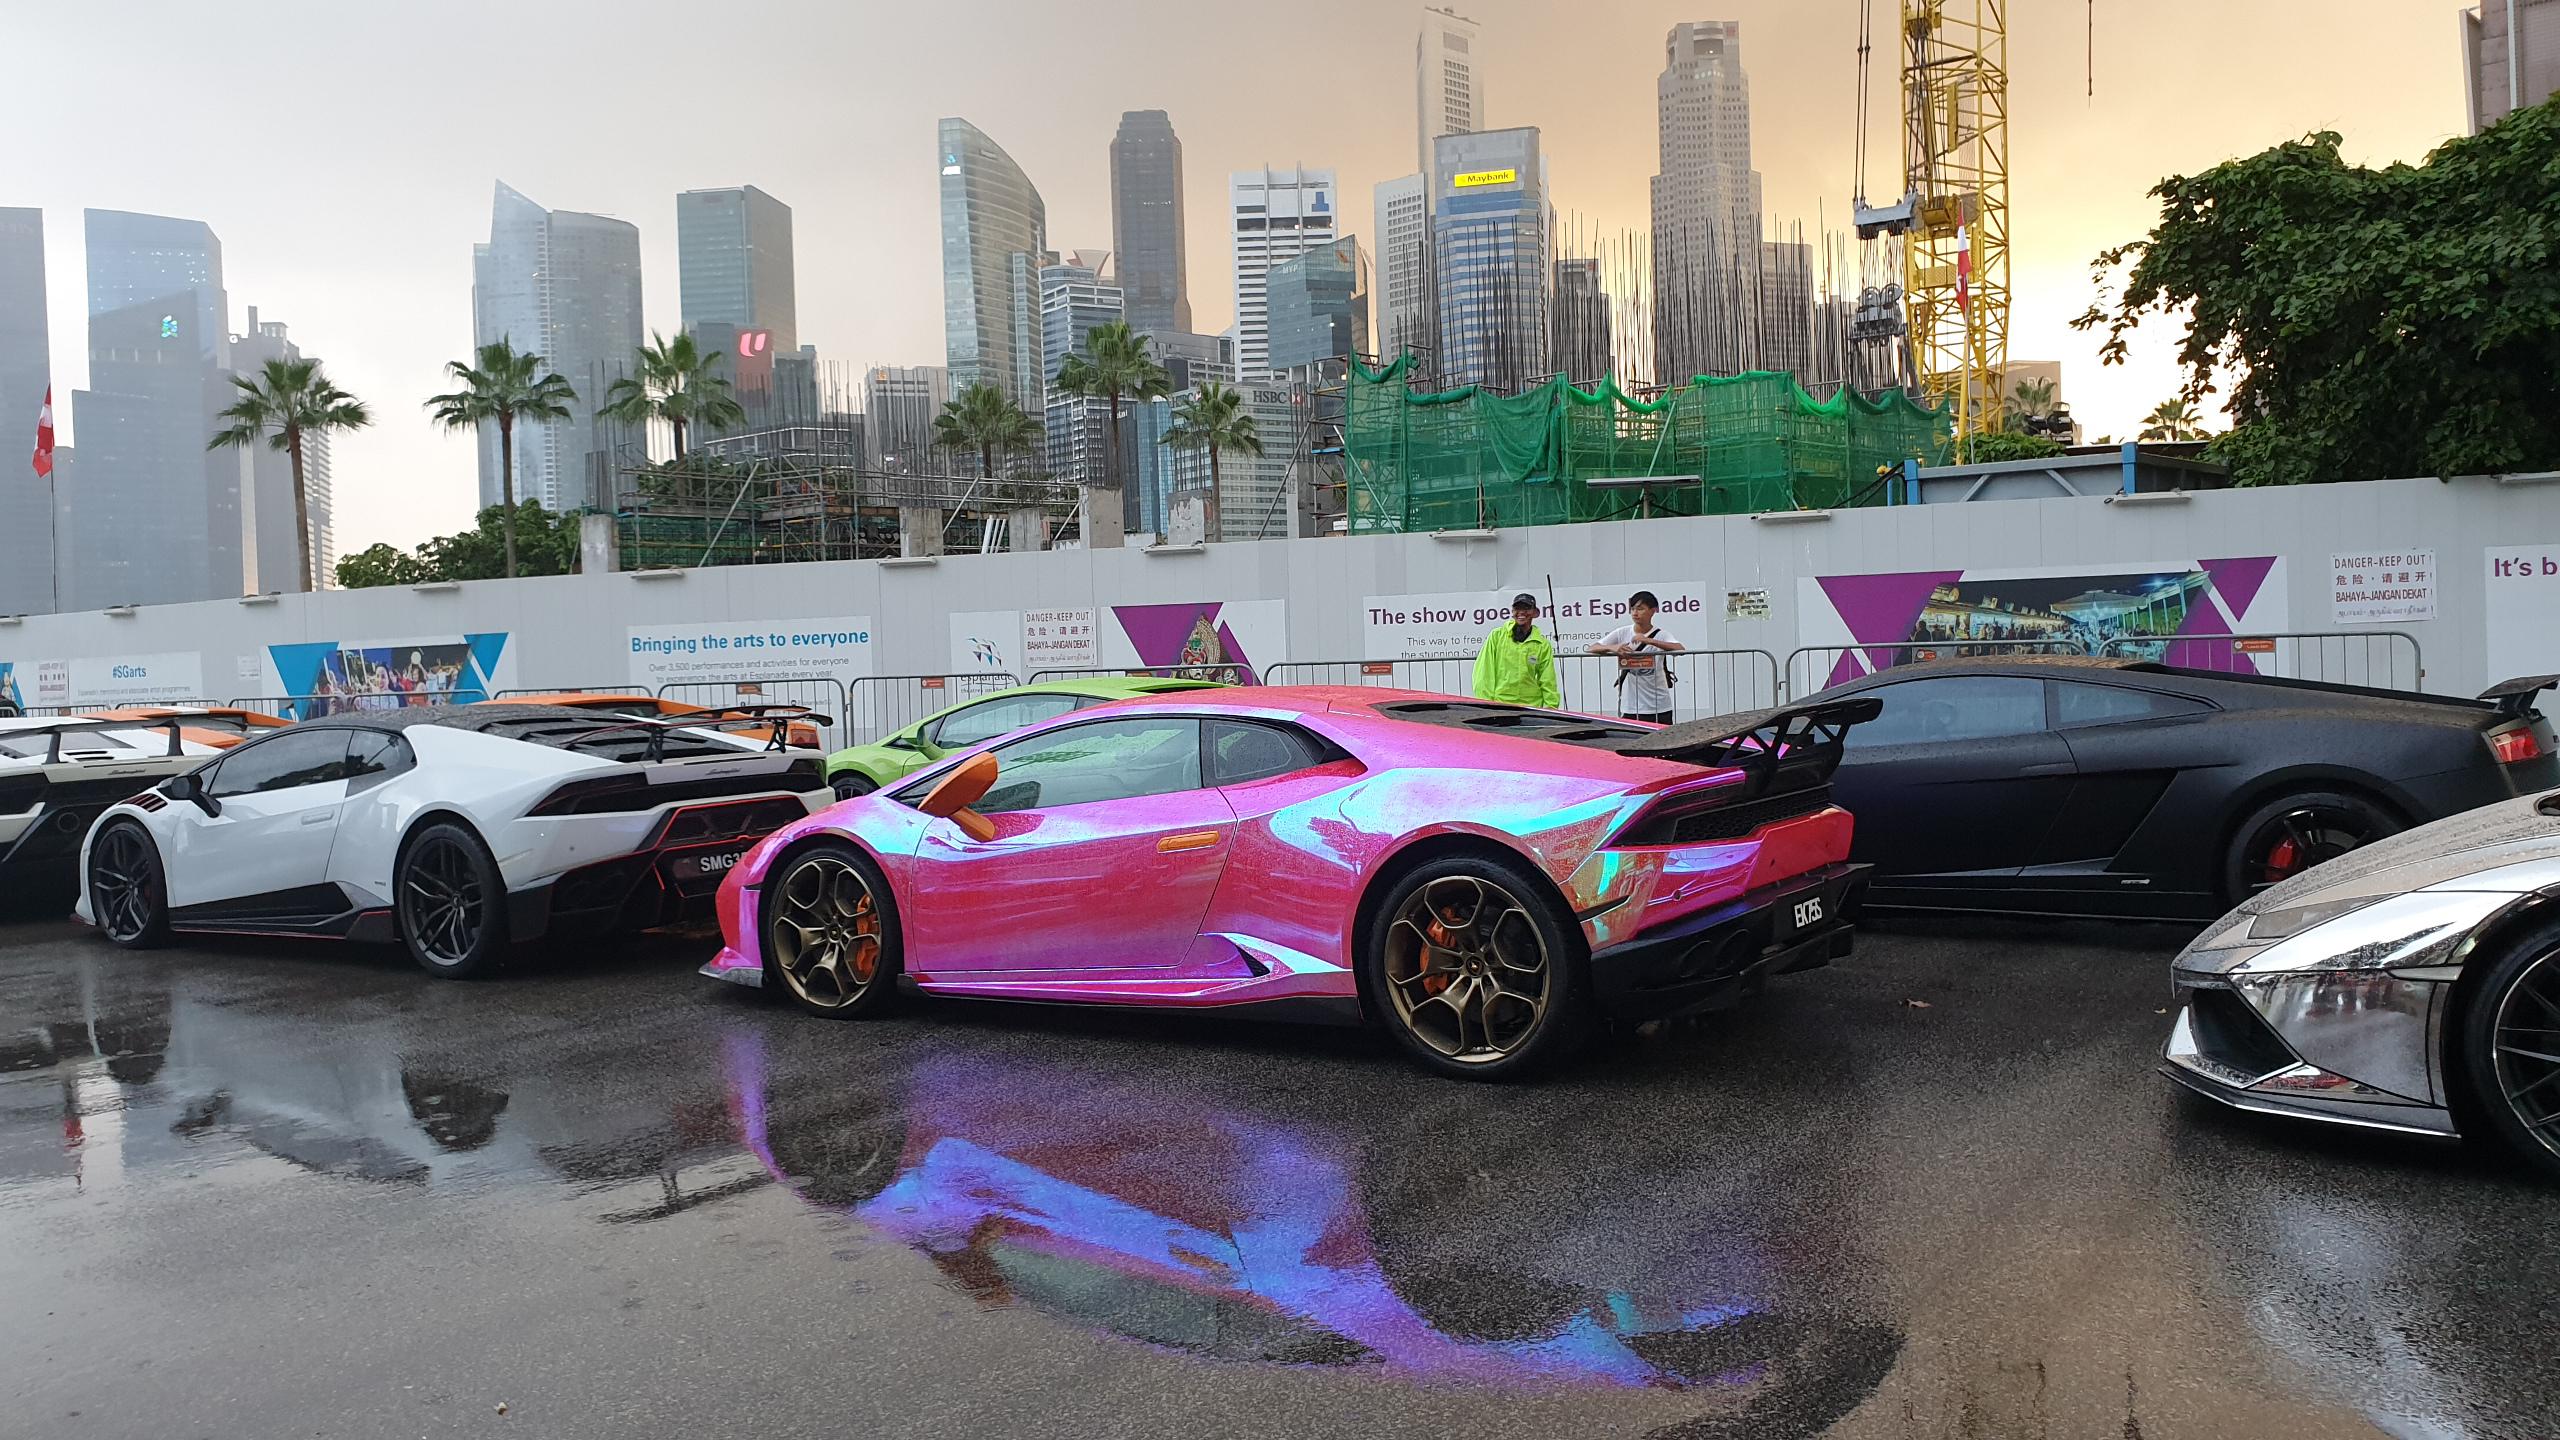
1106 760
1241 752
1951 708
371 752
295 757
984 721
2079 704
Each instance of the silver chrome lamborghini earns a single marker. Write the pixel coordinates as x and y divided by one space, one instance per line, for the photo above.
2411 985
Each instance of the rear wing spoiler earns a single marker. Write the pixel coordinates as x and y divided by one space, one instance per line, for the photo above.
727 717
56 729
1793 747
2515 697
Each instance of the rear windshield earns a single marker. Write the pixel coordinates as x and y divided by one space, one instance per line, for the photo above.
34 747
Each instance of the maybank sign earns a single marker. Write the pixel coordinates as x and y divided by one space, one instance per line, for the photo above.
1473 178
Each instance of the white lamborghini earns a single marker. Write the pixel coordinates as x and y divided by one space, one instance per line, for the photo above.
56 776
459 831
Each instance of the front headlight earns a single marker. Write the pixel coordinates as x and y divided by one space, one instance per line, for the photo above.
2293 920
2397 932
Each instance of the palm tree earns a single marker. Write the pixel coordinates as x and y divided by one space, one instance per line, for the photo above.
679 383
289 401
2029 397
985 419
1211 419
2172 419
507 385
1115 367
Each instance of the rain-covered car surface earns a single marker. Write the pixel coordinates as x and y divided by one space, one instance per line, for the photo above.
248 1191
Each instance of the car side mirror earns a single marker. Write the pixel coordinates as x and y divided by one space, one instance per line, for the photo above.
190 787
952 795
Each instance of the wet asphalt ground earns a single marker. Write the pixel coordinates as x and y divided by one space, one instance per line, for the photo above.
258 1189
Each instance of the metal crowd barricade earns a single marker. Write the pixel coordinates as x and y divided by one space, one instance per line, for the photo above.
823 694
2378 659
572 690
880 705
338 702
1442 675
1811 668
1225 673
1705 682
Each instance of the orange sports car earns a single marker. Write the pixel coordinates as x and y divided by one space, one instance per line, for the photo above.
644 706
220 726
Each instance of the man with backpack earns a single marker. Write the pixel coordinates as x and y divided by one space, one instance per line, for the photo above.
1644 662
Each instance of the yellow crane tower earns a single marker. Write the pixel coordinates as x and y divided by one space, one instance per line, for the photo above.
1953 216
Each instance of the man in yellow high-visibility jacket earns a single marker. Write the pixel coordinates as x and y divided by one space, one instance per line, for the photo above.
1517 665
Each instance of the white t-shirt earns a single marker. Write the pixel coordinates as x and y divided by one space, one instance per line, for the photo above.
1644 691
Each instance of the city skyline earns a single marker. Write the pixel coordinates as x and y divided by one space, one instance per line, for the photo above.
378 289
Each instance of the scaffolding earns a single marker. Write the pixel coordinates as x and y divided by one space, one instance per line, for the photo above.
790 504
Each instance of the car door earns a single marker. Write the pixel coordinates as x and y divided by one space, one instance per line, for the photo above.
277 801
2128 745
1107 847
1956 781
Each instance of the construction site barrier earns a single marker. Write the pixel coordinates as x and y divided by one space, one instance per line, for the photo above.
1228 673
822 694
882 705
1705 682
1819 667
2378 659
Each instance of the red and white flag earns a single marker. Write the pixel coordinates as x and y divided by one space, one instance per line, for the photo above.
44 437
1964 269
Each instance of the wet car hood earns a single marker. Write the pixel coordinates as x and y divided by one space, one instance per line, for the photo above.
2510 832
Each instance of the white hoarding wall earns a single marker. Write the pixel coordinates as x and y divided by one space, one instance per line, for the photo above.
103 680
2382 587
1453 626
2523 604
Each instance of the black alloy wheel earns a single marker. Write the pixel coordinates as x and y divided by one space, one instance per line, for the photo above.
2287 836
128 896
852 783
2511 1047
452 904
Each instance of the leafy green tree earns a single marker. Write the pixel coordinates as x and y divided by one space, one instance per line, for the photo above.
679 382
1115 368
1212 419
506 385
2029 397
2006 445
985 419
2400 321
289 401
379 564
2172 419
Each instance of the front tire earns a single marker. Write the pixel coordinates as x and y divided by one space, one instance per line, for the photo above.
1476 970
453 903
831 931
128 893
2292 833
2511 1050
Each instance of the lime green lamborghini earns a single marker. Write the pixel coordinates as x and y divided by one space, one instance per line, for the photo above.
861 769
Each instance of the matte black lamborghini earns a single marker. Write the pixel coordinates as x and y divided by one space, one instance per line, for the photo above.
2123 788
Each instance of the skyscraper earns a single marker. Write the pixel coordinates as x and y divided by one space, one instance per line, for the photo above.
1448 93
274 557
1706 206
995 231
2510 57
1404 267
1580 346
564 285
1319 310
899 403
157 518
26 367
1146 223
1491 239
734 271
1077 297
1277 215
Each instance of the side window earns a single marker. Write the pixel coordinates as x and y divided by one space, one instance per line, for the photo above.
372 752
1242 751
1953 708
984 721
1106 760
2080 704
295 757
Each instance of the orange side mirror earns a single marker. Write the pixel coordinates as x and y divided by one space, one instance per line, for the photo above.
952 795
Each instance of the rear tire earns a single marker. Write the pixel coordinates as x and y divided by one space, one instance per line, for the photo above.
2511 1050
2291 833
1476 970
831 939
852 783
128 892
452 902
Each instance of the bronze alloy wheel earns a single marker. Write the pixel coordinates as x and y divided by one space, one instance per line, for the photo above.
2526 1050
1468 970
826 934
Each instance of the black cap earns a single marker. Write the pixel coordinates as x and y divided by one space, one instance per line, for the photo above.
1524 598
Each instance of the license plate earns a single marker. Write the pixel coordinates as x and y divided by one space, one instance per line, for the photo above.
712 865
1806 910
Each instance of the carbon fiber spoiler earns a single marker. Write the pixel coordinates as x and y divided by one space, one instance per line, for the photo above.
2515 697
76 725
1793 747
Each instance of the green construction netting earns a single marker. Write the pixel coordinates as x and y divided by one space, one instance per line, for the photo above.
1754 442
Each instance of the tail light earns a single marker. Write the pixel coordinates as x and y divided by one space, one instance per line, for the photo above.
578 797
2516 746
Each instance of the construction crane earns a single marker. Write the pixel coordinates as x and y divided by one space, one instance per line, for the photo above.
1953 217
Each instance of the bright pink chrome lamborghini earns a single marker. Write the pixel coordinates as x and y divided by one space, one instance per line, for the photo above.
1485 881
